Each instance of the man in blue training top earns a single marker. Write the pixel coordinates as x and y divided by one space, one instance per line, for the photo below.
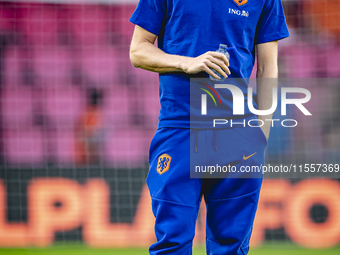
189 31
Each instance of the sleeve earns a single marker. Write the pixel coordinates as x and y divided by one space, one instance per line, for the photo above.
150 15
272 24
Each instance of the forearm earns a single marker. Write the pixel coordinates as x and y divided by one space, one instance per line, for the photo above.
144 54
147 56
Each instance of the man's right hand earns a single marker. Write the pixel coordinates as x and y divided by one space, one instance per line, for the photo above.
206 62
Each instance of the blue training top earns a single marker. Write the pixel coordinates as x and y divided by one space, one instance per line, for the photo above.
193 27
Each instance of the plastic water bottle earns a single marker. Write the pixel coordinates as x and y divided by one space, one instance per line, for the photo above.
222 49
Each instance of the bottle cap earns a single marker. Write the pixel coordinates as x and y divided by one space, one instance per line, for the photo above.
224 46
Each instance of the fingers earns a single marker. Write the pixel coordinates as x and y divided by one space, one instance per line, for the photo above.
220 56
209 62
220 63
217 68
209 71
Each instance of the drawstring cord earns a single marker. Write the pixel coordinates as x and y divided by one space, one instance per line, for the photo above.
195 140
215 140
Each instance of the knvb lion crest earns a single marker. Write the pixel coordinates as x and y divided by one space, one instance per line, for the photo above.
163 163
241 2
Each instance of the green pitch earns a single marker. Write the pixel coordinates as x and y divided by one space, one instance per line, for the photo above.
83 250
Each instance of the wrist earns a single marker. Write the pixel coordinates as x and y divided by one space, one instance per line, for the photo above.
181 63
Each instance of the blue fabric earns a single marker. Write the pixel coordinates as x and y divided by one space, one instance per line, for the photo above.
193 27
231 202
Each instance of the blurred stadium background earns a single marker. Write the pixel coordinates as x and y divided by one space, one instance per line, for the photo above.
77 119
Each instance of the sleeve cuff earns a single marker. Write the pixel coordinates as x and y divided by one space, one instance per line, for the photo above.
147 26
272 37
